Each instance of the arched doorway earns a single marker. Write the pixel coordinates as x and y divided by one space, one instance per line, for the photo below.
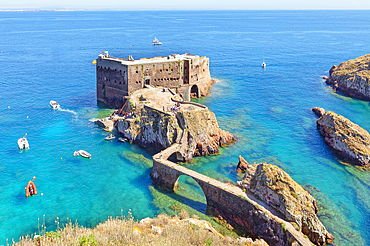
194 92
176 157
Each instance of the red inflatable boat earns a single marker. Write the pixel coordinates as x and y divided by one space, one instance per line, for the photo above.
31 186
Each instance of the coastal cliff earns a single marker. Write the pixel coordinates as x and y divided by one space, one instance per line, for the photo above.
280 192
352 77
194 125
346 138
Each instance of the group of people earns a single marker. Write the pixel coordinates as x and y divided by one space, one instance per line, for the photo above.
174 108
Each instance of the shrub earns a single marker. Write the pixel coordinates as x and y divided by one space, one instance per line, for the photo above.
91 241
283 226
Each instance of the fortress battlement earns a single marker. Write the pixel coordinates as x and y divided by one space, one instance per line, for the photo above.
116 78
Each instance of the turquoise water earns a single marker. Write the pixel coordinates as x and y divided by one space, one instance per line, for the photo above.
47 56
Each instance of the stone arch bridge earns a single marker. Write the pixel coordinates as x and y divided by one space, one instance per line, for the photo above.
242 210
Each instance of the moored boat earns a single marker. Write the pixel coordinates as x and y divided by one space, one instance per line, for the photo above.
110 137
54 104
123 140
84 153
23 143
156 42
31 189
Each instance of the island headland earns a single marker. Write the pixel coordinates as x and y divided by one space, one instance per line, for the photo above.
345 138
155 111
352 77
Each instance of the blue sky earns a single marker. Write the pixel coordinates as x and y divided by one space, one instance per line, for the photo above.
185 5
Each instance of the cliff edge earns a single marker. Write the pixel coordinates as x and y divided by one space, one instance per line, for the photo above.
275 187
158 126
352 77
346 138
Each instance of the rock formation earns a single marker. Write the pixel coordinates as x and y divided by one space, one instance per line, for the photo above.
275 187
318 111
346 138
158 129
242 165
352 77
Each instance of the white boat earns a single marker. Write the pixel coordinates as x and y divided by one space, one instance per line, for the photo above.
23 143
156 42
263 62
123 140
84 153
110 137
54 104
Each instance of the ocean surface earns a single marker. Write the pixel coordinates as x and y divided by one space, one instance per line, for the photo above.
48 56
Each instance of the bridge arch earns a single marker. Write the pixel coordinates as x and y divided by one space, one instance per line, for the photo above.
192 191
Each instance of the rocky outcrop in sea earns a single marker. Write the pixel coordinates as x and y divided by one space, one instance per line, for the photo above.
346 138
352 77
279 191
157 129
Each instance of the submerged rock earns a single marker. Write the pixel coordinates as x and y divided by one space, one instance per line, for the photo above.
276 188
352 77
346 138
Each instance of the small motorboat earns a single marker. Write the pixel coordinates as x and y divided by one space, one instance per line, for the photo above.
31 189
263 61
123 140
156 42
84 154
76 153
54 104
23 143
110 137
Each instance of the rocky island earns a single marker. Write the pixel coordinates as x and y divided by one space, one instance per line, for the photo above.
346 138
162 119
285 198
352 77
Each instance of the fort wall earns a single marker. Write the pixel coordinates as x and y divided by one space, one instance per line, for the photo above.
188 75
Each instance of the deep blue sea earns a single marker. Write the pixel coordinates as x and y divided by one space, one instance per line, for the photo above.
48 56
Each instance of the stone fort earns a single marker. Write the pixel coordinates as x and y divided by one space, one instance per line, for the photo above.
187 75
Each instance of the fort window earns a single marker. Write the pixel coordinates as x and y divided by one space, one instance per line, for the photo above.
167 70
120 82
115 70
120 71
136 71
115 81
160 70
147 69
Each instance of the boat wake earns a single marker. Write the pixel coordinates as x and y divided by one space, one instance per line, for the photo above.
68 110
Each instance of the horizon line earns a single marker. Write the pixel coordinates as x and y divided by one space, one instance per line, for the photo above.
165 9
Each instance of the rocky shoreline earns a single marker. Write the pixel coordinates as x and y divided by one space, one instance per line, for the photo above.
287 198
344 137
155 127
352 77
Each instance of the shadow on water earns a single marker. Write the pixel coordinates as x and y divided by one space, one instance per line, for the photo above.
20 198
196 205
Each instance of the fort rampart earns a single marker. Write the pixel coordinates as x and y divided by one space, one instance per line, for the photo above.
116 78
